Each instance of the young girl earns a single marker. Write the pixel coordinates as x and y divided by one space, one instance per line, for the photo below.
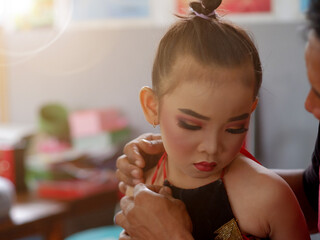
206 78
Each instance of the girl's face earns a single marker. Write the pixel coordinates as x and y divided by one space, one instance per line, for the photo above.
203 125
312 56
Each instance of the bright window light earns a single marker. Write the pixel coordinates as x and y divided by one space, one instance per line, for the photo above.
21 7
26 14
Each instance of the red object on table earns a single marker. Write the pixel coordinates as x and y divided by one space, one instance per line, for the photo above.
7 164
72 189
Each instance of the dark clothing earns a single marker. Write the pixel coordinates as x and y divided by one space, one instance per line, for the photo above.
311 177
209 208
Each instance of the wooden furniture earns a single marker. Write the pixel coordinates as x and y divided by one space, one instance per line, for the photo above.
55 220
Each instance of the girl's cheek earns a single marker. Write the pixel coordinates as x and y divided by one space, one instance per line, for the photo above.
235 143
175 135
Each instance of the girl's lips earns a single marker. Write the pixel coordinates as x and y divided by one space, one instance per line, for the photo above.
205 166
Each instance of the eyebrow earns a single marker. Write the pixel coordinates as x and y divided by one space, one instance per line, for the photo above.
193 114
240 117
197 115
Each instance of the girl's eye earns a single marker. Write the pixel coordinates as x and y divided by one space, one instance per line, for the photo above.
237 130
188 126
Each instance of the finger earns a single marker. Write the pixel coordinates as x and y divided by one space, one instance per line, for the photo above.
124 178
144 189
127 171
124 236
120 219
151 147
122 187
148 143
128 180
165 191
132 151
125 165
151 136
154 189
126 204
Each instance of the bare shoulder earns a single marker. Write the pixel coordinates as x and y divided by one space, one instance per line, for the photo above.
254 179
254 175
262 201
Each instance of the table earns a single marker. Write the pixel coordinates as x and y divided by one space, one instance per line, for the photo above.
55 220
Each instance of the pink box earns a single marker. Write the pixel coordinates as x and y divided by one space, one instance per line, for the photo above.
91 122
246 6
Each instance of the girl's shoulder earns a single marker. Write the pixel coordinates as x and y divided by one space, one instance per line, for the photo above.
251 173
259 197
256 181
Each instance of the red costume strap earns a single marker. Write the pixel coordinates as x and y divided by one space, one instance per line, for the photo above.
248 155
162 159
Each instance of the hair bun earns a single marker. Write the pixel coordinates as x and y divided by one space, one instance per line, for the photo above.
205 6
211 5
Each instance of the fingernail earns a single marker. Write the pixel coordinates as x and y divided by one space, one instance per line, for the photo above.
137 163
146 141
135 173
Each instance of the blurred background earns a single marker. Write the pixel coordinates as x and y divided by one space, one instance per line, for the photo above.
71 72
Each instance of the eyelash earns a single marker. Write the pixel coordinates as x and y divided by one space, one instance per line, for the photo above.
237 131
184 125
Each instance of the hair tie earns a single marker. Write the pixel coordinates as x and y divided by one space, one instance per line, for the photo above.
201 15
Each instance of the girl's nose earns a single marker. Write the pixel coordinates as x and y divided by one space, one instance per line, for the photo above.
210 144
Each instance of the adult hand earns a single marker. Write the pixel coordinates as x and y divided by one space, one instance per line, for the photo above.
140 154
152 213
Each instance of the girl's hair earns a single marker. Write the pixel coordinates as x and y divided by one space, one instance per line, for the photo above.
313 15
209 40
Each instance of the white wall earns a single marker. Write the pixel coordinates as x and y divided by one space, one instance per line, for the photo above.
287 132
84 68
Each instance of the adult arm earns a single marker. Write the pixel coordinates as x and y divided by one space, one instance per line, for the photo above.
305 185
152 213
294 177
140 154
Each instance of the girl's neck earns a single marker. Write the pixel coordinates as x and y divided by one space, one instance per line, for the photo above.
182 180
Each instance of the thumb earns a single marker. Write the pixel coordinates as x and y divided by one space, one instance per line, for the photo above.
152 146
166 191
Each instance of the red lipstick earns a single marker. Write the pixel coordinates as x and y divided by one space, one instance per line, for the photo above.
205 166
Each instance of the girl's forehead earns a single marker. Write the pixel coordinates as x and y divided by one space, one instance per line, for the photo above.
188 69
227 99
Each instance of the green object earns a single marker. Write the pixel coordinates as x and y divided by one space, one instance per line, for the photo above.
53 120
120 136
102 233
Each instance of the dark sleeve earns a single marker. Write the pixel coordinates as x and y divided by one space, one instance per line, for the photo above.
311 177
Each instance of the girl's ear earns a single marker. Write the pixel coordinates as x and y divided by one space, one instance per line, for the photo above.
149 104
254 104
